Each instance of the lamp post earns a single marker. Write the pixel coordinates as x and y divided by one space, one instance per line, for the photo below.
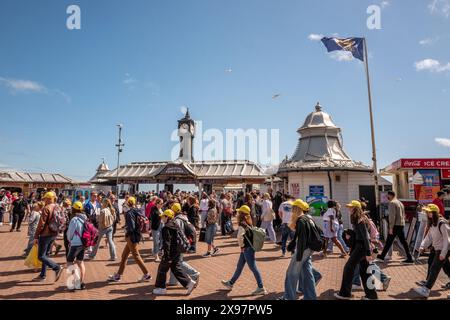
119 146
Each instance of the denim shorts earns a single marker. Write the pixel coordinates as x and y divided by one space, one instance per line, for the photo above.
75 252
210 233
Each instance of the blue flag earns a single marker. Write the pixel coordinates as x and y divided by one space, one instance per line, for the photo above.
354 45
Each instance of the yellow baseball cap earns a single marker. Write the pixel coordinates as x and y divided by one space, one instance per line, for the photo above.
168 213
68 202
131 200
176 207
301 204
78 206
50 195
431 208
244 209
354 204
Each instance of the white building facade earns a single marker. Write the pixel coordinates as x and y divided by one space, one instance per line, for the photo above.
320 169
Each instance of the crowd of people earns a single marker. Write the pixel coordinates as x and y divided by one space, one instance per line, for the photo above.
176 222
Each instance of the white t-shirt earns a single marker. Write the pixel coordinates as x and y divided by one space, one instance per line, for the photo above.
331 212
204 205
286 210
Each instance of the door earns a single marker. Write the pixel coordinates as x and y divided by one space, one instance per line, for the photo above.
368 193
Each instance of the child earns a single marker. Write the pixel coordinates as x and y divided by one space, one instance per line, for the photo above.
33 222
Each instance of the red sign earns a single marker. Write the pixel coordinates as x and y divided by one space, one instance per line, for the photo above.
425 163
445 174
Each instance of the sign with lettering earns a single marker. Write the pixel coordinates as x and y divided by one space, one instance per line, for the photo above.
316 191
445 174
425 163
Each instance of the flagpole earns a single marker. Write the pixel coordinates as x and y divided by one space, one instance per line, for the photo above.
372 130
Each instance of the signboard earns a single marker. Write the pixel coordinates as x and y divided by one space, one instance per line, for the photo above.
316 191
316 204
426 194
295 190
425 163
445 174
429 177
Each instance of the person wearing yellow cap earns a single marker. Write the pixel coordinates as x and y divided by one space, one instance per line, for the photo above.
361 255
247 256
396 228
135 220
44 238
300 266
171 259
438 237
76 249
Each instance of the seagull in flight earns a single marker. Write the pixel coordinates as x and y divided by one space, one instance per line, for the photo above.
229 70
275 96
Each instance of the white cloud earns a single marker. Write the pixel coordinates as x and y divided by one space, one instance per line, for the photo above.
341 55
445 142
428 41
431 65
315 37
385 4
441 7
18 85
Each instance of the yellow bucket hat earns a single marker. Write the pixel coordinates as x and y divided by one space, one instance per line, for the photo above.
244 209
301 204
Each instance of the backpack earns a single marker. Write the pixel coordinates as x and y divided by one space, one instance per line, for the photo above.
182 241
316 239
373 232
57 222
89 236
259 236
142 223
108 218
447 225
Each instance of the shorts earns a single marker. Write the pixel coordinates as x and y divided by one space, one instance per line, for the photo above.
210 233
75 253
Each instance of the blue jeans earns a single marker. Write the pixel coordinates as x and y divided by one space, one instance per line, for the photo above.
357 279
187 268
211 230
109 235
248 256
156 234
286 233
340 239
296 269
44 247
268 226
317 276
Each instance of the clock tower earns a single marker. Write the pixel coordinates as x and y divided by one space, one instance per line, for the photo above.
186 132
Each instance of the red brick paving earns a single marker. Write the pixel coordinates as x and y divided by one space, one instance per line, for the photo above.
15 278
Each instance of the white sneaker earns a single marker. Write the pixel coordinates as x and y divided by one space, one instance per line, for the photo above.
423 291
159 291
1 224
190 287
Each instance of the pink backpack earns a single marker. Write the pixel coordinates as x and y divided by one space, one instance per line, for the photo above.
89 236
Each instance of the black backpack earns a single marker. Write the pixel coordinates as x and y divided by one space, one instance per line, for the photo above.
182 241
316 241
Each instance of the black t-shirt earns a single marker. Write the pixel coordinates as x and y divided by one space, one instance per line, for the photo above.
155 219
19 206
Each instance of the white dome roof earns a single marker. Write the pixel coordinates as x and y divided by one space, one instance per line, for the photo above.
318 119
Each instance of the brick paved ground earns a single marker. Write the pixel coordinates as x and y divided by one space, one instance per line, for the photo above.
15 278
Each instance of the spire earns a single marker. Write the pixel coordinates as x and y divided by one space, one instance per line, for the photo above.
187 115
318 107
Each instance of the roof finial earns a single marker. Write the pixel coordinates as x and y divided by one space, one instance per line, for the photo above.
318 107
187 116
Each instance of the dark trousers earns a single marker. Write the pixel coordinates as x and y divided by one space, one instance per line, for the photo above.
223 224
436 267
44 248
177 270
398 231
17 220
2 213
357 257
66 242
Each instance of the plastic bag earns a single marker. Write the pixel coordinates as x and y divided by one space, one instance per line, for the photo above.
32 260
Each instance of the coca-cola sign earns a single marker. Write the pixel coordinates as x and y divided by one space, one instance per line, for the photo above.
426 163
445 174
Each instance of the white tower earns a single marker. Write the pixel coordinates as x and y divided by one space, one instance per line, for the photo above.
186 132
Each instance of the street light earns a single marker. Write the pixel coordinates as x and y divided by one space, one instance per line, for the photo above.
119 146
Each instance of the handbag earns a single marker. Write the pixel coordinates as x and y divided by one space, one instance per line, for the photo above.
202 235
32 260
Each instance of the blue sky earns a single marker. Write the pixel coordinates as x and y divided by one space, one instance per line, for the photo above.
137 62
